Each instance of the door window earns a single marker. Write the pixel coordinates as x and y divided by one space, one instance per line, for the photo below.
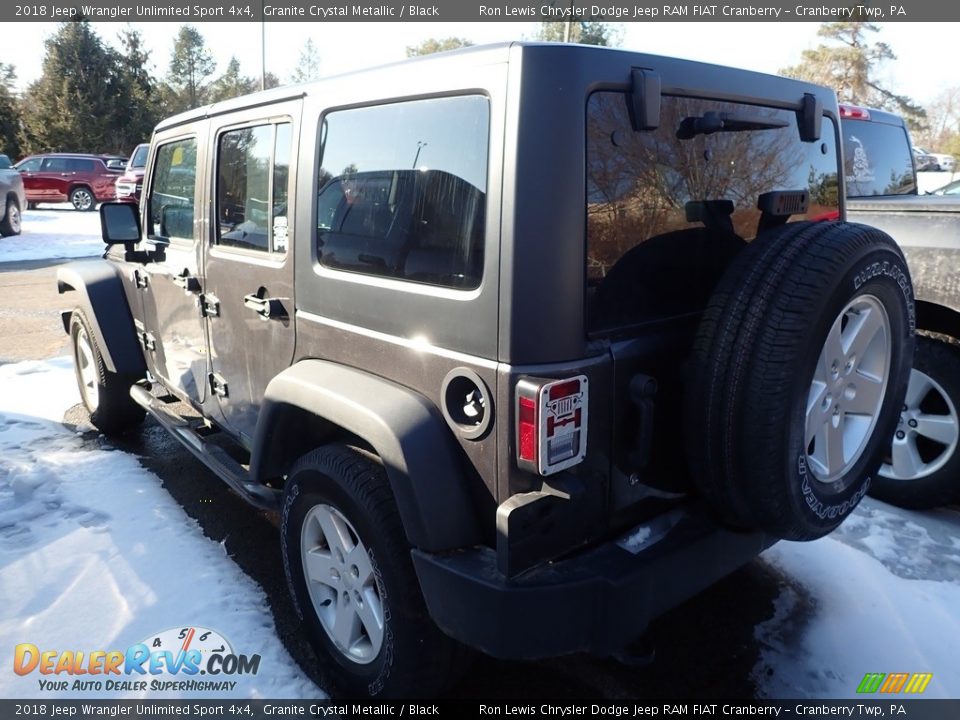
253 171
171 201
31 165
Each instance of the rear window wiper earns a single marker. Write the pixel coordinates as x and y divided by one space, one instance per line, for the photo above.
711 122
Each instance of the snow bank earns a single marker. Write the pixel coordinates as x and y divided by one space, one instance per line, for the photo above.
96 555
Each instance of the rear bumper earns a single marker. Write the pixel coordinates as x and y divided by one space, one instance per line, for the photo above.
597 601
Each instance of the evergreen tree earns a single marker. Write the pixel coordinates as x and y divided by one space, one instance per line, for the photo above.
308 66
135 113
9 113
71 106
232 84
849 64
190 65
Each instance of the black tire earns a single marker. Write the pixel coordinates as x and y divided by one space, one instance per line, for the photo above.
925 472
12 223
413 658
82 198
105 394
752 373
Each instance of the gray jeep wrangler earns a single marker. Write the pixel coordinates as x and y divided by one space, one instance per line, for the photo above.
526 344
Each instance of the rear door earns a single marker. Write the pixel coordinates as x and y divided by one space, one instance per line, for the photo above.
249 259
52 180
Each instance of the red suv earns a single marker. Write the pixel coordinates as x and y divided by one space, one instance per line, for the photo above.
131 182
84 180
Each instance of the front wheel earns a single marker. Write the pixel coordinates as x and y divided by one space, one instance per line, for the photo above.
922 469
348 565
82 199
12 222
105 394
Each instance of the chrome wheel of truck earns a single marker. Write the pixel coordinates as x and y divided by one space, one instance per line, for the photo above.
922 467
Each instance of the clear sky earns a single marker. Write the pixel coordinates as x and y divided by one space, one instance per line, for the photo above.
920 71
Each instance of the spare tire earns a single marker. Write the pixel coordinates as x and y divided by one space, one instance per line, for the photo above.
797 377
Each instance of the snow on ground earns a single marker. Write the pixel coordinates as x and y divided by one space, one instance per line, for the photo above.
884 596
55 231
96 555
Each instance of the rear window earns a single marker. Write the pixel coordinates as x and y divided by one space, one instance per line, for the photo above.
139 158
81 165
876 159
667 210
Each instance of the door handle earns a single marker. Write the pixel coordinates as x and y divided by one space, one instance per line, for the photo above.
265 307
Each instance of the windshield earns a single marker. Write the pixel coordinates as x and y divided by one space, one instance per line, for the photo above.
139 157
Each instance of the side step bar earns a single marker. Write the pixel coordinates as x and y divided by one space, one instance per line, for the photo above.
211 455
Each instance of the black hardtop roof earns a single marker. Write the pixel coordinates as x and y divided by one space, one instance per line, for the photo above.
498 53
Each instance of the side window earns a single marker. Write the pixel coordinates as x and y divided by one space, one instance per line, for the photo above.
403 190
80 165
31 165
171 209
253 169
54 165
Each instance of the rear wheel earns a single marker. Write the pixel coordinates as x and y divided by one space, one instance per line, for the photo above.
82 198
12 222
348 565
797 377
922 468
105 394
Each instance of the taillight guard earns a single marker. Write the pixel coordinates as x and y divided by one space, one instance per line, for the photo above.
551 423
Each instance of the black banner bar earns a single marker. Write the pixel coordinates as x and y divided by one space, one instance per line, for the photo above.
893 706
198 11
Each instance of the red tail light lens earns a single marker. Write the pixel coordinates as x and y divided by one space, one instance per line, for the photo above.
527 429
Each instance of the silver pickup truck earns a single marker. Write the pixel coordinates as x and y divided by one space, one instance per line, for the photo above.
923 466
11 190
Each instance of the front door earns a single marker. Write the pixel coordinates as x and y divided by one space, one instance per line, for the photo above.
249 262
173 328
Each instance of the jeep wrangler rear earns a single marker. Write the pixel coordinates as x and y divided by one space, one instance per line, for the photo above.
526 344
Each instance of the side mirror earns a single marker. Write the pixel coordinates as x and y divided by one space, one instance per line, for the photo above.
119 223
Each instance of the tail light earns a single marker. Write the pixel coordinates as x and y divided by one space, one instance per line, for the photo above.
551 423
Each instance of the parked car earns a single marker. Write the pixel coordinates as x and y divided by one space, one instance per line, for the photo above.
924 161
922 466
536 343
938 162
130 183
12 199
83 180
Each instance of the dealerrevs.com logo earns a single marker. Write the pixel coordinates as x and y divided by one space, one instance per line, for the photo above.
180 659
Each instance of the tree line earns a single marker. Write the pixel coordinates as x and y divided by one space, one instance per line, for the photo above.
92 97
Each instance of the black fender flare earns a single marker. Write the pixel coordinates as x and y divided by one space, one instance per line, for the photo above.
404 428
99 293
